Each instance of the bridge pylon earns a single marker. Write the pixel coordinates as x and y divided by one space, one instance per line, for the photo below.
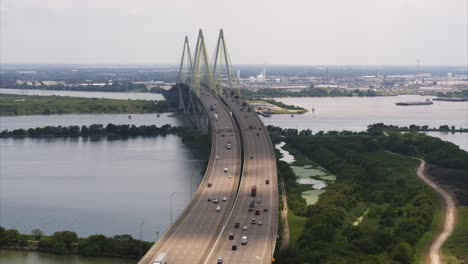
185 72
222 68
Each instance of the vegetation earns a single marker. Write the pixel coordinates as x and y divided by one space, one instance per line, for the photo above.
296 109
457 243
378 129
307 92
107 87
67 242
111 131
402 209
462 94
32 105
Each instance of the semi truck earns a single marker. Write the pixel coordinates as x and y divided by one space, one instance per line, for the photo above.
161 258
253 191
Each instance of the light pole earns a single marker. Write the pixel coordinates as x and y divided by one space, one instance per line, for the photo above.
141 225
172 195
191 186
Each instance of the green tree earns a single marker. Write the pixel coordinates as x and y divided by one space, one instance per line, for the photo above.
403 253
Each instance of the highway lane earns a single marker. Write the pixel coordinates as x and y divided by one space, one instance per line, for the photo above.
190 238
259 165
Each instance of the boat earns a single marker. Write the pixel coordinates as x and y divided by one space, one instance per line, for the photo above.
157 115
427 102
313 109
292 115
129 117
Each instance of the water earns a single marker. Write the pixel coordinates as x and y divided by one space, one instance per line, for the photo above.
107 186
108 95
356 113
25 122
25 257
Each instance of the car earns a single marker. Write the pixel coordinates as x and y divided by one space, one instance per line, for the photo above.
251 157
220 260
228 146
253 221
265 210
236 225
226 169
218 208
258 134
209 184
267 181
234 247
216 200
217 157
260 222
209 199
244 240
229 176
231 236
244 228
257 211
259 200
224 198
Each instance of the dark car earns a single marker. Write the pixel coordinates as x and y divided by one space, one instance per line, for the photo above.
236 225
231 236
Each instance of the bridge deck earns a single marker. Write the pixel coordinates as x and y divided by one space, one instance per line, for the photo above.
192 235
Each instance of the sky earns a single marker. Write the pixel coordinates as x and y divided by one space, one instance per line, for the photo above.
309 32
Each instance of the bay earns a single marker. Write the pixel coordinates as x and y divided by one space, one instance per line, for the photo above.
356 113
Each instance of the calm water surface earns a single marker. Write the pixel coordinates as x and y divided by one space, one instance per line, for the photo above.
25 122
24 257
107 186
356 113
108 95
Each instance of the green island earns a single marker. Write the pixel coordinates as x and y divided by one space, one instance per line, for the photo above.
275 107
377 210
39 105
68 242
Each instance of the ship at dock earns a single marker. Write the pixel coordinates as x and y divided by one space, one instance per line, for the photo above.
427 102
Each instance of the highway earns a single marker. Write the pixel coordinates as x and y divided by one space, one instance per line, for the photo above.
259 166
193 233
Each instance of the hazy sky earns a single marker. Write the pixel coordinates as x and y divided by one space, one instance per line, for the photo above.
257 31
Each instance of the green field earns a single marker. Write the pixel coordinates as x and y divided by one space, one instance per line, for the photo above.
457 244
296 227
40 105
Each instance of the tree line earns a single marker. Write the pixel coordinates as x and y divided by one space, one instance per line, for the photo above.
68 242
99 131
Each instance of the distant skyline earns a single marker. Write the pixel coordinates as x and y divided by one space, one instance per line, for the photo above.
296 32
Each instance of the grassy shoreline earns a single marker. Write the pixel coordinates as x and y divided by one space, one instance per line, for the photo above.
16 105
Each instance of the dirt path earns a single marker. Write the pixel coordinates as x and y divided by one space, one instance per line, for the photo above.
284 216
448 218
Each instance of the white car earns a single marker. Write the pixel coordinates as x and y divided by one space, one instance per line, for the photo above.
259 222
226 169
217 157
218 208
244 228
244 240
229 176
224 198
